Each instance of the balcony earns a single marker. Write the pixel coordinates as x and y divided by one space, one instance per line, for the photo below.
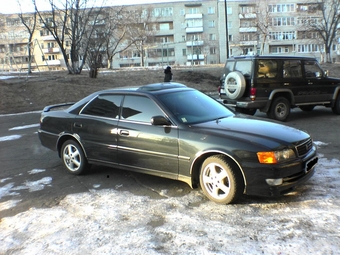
194 16
195 57
164 32
194 43
247 43
247 16
48 38
51 50
55 62
189 30
247 29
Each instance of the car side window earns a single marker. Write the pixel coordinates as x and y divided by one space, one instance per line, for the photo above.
267 69
312 69
292 69
104 106
139 108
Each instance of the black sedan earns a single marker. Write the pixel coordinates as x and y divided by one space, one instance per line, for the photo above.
173 131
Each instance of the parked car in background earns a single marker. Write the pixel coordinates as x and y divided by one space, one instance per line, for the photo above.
173 131
275 84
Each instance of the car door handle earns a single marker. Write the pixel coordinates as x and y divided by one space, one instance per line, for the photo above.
124 132
77 125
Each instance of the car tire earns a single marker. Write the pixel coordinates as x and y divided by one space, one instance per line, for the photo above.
221 181
279 109
234 85
336 107
74 158
307 108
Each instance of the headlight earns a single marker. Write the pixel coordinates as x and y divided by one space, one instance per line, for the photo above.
273 157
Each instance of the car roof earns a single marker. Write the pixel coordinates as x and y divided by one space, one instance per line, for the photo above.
149 88
252 57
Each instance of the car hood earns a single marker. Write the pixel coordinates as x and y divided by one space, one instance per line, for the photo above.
251 130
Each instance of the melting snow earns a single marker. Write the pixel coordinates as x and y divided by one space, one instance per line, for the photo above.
118 222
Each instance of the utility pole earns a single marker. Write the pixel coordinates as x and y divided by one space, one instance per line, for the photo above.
226 27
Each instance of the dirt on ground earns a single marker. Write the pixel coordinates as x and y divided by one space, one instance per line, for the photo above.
23 92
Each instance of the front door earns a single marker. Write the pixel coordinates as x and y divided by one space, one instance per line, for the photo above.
142 146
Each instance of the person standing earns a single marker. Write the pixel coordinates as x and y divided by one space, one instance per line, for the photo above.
168 74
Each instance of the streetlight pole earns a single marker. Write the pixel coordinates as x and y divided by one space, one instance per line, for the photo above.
226 27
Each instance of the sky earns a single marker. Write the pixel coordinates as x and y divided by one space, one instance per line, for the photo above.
11 6
113 221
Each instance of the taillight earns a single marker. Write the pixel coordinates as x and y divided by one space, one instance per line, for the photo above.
252 93
219 89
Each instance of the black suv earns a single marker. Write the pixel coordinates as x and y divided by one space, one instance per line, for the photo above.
275 84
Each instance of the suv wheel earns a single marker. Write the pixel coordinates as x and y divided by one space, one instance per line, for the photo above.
280 109
234 85
336 107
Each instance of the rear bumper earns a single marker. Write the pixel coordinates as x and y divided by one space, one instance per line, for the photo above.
48 140
247 104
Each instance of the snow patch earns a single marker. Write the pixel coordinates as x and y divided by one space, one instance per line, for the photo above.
24 127
10 138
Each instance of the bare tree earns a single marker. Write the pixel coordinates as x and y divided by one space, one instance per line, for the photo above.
71 23
142 30
116 34
262 23
326 25
30 22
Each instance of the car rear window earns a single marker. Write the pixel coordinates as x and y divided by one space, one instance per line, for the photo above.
244 67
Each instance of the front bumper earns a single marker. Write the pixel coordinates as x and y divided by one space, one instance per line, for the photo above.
293 175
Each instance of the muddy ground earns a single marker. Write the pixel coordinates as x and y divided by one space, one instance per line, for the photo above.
33 92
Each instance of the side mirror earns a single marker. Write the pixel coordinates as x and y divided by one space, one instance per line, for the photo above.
160 121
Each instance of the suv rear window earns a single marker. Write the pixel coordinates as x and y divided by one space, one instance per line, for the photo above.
244 67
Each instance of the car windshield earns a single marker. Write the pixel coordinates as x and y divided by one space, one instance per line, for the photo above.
192 106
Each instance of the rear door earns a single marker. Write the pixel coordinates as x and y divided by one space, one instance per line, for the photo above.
96 127
294 80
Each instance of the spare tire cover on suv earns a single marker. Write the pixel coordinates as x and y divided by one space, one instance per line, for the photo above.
234 85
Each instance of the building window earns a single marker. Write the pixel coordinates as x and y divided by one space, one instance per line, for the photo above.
276 50
211 23
211 10
229 10
184 52
282 21
281 8
194 11
247 9
162 12
308 48
164 26
182 12
212 37
195 23
213 50
282 35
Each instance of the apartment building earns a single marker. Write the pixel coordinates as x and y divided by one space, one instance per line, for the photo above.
187 33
